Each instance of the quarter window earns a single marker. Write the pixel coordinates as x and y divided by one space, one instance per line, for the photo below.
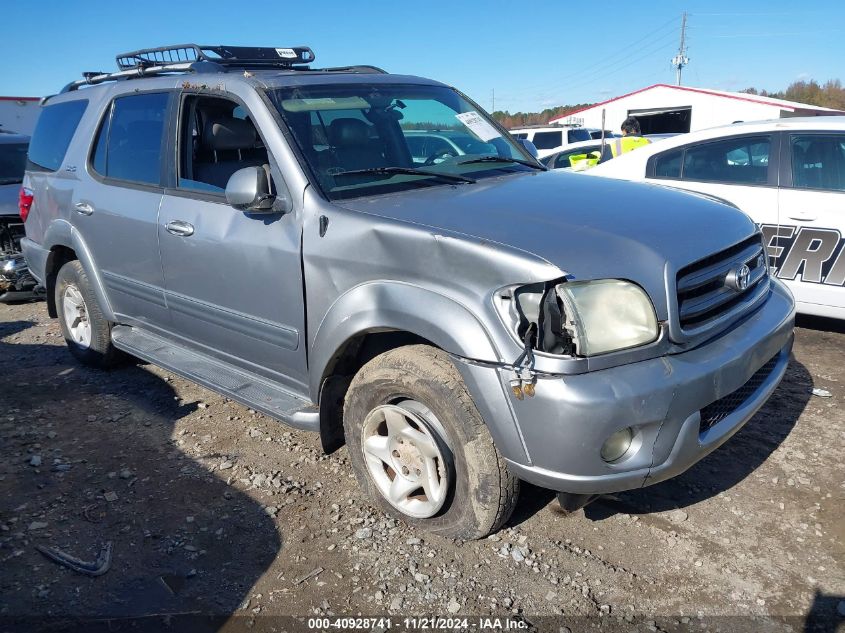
818 162
53 133
129 142
742 160
547 140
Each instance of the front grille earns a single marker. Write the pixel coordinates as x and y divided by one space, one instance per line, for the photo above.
704 291
717 411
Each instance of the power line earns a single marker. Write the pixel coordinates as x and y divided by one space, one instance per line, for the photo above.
598 65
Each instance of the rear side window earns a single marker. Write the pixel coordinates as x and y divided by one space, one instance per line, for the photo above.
818 161
743 160
668 165
129 142
579 134
548 140
53 133
12 162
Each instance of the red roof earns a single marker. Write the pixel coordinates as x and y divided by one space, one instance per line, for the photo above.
20 98
780 103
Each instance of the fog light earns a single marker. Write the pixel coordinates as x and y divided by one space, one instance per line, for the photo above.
617 445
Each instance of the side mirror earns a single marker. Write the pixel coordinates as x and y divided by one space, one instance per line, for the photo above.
248 190
529 146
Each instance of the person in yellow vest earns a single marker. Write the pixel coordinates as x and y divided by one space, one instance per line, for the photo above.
631 138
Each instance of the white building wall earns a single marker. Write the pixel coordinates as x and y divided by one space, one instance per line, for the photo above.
19 115
707 110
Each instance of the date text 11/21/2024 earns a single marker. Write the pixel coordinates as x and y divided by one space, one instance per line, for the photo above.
422 623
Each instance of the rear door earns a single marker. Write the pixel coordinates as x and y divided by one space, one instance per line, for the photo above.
115 206
739 169
811 257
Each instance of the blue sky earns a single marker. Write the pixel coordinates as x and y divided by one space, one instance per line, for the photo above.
532 54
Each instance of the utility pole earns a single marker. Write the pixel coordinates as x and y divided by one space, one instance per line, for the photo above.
493 100
680 60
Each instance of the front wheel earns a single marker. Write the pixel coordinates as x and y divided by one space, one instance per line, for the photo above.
420 449
86 330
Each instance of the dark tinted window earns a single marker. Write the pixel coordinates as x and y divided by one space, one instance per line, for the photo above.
742 160
129 142
520 135
818 161
578 134
55 128
12 162
668 165
548 140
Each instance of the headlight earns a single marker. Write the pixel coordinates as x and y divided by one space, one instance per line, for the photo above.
607 315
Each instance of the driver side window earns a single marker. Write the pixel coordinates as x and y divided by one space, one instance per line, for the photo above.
216 139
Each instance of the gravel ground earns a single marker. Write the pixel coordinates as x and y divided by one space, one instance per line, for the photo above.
213 508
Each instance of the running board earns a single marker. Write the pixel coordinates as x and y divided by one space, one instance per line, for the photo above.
235 383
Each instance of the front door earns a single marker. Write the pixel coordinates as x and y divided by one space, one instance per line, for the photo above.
812 222
233 281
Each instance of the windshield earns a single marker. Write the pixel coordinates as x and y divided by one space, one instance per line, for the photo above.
365 139
12 162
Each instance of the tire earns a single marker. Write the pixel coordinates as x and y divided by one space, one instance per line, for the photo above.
95 348
421 384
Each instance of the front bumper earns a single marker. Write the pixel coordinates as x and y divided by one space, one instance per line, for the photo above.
563 427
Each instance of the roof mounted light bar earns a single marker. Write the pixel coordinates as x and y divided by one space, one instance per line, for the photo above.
240 56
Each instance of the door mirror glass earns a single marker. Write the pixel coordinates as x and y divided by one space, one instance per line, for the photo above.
248 189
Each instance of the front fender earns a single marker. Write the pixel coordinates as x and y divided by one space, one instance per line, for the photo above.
393 305
62 233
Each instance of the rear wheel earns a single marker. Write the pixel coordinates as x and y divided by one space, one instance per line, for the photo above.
86 330
420 449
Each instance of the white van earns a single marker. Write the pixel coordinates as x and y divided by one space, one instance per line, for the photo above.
549 139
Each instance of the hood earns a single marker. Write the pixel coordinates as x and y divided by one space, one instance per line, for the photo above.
9 199
591 228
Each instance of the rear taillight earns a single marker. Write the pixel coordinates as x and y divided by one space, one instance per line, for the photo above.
24 202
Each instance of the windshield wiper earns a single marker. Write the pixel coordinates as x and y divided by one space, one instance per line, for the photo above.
407 170
502 159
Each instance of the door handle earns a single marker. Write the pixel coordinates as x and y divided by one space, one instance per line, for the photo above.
177 227
83 208
804 216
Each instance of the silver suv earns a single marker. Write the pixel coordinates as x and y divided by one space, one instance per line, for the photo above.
261 227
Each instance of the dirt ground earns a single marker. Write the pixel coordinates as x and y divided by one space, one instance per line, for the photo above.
211 508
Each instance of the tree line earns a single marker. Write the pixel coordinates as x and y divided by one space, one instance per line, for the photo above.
521 119
831 94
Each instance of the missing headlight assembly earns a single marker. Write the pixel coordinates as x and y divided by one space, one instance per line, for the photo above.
580 318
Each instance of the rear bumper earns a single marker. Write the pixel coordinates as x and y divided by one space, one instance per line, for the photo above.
36 258
564 426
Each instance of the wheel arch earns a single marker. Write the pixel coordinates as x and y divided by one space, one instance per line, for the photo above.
374 318
66 244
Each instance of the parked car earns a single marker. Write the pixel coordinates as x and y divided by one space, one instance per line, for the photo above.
787 174
461 326
430 147
549 139
560 160
595 133
16 284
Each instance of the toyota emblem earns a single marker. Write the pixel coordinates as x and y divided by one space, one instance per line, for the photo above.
738 278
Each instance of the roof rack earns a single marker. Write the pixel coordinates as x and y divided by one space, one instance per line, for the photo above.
194 58
240 56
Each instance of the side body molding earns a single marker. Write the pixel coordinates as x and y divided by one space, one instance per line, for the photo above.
62 233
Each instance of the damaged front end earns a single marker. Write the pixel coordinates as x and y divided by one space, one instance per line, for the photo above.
574 319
